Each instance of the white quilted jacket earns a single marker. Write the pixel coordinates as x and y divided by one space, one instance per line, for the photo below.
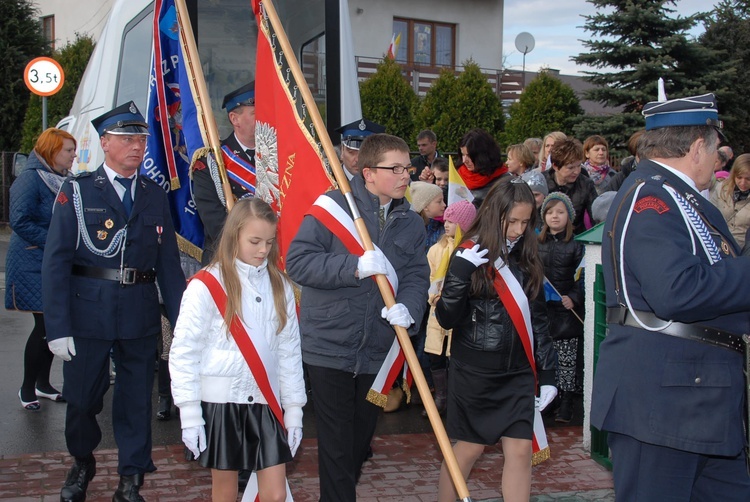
206 365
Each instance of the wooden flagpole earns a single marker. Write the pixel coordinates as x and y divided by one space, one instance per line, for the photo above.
200 93
382 281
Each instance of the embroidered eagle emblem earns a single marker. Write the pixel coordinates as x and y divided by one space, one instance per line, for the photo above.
266 163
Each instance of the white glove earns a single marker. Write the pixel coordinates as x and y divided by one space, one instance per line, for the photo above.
195 439
547 394
474 255
371 263
64 348
294 437
398 315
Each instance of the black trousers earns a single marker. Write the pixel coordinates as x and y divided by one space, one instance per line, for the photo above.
86 382
644 472
345 421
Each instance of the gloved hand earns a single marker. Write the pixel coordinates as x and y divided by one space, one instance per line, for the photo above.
195 439
371 263
547 394
473 255
64 348
294 437
398 315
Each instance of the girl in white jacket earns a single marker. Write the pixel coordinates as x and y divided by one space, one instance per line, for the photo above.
239 390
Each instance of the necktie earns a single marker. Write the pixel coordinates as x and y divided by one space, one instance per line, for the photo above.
382 217
127 198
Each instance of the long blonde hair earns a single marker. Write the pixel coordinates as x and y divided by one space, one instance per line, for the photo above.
741 166
243 211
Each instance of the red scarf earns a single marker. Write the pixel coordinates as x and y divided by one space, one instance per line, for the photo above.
475 180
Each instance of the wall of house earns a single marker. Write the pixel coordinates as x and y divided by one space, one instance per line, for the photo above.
75 17
479 26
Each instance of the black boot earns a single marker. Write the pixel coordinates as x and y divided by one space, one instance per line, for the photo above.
127 490
78 479
164 408
565 412
440 379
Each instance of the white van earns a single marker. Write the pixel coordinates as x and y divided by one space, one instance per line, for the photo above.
226 35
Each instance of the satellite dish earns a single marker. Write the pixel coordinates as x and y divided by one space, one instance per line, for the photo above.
525 42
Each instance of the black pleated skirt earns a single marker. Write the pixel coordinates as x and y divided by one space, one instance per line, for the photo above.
243 437
485 405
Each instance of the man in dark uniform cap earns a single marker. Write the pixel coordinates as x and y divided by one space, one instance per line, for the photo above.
240 146
352 136
669 385
111 237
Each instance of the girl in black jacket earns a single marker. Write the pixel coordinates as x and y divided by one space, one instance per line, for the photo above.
495 358
561 256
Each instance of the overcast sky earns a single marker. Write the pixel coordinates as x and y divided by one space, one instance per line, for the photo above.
557 28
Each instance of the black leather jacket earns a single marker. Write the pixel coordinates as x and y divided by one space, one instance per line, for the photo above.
483 333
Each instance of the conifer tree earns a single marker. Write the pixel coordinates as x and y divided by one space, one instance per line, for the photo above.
21 40
389 100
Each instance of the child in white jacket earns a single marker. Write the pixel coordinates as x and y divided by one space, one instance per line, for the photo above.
239 389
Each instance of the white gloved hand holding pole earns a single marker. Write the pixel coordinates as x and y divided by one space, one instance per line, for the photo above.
371 263
398 315
294 436
195 439
64 348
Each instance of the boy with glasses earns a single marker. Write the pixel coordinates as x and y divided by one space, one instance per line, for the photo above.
346 330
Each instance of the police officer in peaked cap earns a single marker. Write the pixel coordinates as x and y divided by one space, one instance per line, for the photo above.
352 136
239 148
669 386
111 238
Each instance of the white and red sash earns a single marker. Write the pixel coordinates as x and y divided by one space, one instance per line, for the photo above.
339 223
511 294
239 170
259 358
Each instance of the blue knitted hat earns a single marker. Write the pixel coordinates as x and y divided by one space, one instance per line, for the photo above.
565 200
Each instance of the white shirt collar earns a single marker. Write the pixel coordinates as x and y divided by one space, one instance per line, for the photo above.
244 147
119 188
684 177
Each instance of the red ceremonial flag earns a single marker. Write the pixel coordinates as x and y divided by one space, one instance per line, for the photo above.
290 168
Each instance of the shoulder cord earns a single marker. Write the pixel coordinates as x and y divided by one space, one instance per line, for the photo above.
117 241
213 169
694 225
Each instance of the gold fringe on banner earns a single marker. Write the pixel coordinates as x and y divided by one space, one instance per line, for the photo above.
189 248
200 152
377 398
540 456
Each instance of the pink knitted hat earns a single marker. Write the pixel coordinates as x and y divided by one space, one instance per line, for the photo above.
462 213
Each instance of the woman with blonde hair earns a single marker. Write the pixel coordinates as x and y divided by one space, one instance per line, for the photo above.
547 144
731 197
32 196
519 159
235 361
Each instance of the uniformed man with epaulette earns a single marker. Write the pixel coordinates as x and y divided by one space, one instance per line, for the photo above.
239 155
669 385
111 237
352 136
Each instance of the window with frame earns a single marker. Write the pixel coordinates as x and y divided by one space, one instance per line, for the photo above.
425 43
48 29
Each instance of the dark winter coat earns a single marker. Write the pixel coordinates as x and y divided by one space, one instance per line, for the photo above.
31 201
483 333
582 193
561 261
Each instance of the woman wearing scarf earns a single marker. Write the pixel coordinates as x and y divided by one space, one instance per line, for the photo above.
32 195
731 197
596 150
482 163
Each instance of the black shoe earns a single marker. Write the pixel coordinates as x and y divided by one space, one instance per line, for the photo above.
565 412
78 479
164 408
127 490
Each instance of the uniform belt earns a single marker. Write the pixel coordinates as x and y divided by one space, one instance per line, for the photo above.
711 336
125 276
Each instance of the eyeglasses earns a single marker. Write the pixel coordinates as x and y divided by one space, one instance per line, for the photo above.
395 169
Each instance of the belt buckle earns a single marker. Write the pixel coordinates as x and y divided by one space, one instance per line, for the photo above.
128 276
